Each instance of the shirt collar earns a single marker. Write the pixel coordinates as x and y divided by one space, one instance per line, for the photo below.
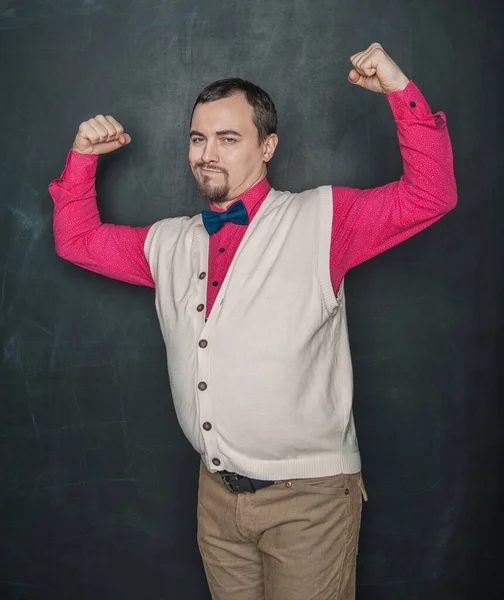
251 198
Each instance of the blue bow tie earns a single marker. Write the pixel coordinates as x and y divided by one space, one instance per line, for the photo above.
213 221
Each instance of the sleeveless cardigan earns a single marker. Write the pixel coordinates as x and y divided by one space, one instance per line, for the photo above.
264 386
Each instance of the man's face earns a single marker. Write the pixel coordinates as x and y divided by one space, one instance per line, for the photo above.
224 151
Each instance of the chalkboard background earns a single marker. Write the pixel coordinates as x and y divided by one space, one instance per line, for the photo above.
97 483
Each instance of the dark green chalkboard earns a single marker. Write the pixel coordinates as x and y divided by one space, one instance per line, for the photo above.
97 483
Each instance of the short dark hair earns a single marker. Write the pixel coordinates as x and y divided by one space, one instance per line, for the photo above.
265 115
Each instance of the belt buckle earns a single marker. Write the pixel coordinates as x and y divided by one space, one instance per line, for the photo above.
230 477
227 478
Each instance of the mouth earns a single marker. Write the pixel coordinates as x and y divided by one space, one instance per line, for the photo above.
207 170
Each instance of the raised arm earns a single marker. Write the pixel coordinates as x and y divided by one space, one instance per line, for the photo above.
115 251
368 222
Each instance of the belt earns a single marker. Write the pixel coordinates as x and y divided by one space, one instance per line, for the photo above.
241 484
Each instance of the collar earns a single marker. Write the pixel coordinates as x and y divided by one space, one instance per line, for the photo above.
252 198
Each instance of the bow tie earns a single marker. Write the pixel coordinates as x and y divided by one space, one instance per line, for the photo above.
213 221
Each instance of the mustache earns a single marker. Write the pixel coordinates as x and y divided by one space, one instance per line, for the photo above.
207 166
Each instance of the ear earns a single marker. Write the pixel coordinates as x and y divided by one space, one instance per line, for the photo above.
269 146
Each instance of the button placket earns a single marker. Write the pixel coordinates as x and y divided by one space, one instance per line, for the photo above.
207 426
204 395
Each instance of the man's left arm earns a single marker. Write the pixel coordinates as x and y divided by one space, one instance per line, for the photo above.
368 222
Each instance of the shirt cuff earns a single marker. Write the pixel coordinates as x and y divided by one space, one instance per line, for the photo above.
409 104
79 167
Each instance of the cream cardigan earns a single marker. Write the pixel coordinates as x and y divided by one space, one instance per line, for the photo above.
264 387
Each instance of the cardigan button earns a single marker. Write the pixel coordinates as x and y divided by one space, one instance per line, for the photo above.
412 104
207 426
202 386
216 461
202 275
200 307
203 344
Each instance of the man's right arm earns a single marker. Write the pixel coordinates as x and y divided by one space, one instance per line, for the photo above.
116 251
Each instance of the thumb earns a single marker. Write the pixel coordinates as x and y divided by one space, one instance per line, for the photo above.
124 139
105 147
354 77
369 83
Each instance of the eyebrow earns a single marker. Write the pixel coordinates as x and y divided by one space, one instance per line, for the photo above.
229 132
223 132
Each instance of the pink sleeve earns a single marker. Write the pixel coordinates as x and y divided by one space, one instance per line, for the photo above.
115 251
368 222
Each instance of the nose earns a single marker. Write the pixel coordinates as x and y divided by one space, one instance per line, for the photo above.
210 153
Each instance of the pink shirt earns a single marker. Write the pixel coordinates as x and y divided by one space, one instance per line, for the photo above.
365 222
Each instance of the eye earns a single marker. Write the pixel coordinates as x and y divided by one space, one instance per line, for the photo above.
197 140
229 140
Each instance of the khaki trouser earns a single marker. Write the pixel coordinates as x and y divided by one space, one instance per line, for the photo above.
295 540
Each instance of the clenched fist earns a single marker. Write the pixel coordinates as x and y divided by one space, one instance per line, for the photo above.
374 70
100 135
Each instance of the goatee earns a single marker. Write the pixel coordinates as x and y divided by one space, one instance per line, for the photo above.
216 195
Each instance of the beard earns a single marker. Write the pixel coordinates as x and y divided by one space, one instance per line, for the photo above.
212 193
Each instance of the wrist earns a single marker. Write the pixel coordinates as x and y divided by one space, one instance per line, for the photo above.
400 85
78 150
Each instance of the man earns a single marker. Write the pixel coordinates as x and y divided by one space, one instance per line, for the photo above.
252 309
